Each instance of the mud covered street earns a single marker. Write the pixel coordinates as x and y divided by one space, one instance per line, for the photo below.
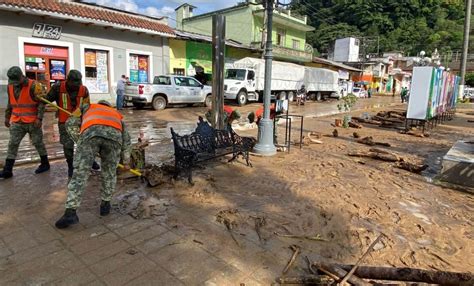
176 233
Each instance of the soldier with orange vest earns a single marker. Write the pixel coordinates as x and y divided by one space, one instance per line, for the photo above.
70 95
102 132
24 115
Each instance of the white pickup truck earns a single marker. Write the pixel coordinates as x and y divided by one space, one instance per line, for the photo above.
168 89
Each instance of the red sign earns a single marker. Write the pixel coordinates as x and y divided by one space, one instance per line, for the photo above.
40 50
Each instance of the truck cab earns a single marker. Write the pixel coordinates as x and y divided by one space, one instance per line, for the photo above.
240 85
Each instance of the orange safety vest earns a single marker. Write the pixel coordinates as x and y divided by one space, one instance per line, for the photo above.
65 101
25 109
98 114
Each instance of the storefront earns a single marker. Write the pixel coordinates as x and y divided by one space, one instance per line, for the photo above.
102 44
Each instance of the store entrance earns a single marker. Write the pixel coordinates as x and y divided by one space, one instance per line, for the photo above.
46 64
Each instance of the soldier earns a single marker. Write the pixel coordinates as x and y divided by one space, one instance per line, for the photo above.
24 115
102 132
70 95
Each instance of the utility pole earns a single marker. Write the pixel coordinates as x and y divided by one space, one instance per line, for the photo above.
265 144
465 48
218 58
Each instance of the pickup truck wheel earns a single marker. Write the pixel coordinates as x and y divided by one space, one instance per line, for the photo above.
208 101
291 96
242 98
159 102
138 105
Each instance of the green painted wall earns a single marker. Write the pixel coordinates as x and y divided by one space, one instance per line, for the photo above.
239 25
199 54
290 35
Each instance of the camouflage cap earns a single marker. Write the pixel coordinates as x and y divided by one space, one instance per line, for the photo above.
15 75
74 77
104 102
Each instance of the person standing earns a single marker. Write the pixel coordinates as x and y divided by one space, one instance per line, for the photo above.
121 91
403 94
70 95
102 132
24 115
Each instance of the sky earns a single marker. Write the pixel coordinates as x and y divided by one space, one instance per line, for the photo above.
158 8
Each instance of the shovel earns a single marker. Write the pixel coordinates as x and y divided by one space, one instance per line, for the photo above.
133 171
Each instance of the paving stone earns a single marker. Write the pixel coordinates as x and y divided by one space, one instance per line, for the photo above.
94 243
118 221
80 277
51 259
128 272
58 268
157 276
135 227
35 252
19 240
8 275
31 220
104 252
146 234
247 259
270 270
164 254
112 263
158 242
43 232
227 276
89 219
71 238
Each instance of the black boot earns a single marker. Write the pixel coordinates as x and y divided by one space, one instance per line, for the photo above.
70 168
69 218
104 208
44 166
95 166
7 169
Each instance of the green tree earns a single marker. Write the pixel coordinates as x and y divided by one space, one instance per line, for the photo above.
470 79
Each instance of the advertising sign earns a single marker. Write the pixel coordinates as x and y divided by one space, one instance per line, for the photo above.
58 70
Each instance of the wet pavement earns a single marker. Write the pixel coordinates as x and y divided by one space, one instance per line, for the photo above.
155 126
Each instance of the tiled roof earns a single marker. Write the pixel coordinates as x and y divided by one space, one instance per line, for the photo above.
95 13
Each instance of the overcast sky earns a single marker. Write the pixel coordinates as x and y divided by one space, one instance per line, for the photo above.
165 7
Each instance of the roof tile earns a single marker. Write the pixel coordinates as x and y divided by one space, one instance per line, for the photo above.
92 12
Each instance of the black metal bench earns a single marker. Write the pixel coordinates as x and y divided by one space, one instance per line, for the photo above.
207 143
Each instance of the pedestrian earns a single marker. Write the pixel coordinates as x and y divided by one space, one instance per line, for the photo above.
403 94
121 91
301 95
369 92
24 115
102 132
70 95
393 88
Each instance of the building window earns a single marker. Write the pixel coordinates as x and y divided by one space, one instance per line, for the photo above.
296 44
178 71
139 68
46 64
280 39
96 64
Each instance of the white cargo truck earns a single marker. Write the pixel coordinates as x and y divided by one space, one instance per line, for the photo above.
245 81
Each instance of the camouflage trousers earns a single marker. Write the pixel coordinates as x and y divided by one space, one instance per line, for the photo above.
66 141
109 151
18 132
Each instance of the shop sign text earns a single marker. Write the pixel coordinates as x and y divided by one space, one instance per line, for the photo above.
47 31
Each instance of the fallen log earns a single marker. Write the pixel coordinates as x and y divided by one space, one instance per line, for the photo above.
354 124
339 272
400 113
370 141
398 121
306 280
388 157
411 275
411 167
368 121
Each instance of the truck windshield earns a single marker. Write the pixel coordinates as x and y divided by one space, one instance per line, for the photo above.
235 74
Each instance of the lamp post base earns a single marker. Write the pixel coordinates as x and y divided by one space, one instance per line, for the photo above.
265 145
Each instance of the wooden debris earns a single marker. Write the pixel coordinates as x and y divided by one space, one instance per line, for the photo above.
411 274
354 125
370 141
416 134
411 167
259 222
356 135
224 217
338 122
335 133
371 246
306 280
382 119
314 136
296 251
388 157
368 121
339 273
316 237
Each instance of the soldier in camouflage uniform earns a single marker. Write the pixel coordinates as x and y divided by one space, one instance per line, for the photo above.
24 115
69 95
102 132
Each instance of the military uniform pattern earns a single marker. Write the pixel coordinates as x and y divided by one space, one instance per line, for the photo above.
18 131
66 141
109 152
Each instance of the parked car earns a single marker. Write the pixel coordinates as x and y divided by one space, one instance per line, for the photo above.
359 92
469 93
168 89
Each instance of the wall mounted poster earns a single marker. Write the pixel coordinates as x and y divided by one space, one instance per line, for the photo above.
102 72
58 70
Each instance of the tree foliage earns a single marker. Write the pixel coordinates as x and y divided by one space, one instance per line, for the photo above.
408 26
470 79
